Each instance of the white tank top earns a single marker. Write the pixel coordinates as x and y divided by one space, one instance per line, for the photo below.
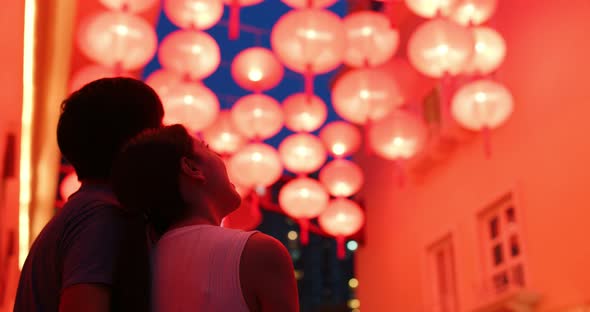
197 268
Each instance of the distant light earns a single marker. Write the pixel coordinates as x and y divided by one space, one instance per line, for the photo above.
353 283
352 245
354 303
292 235
261 190
298 274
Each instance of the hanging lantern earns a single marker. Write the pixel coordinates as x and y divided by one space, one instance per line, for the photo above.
223 136
362 95
162 80
257 69
300 4
302 153
130 6
90 73
256 164
482 105
371 40
309 41
342 218
191 53
69 185
341 138
490 50
304 113
473 12
257 116
440 47
194 14
234 15
342 178
117 40
430 8
412 84
191 104
400 135
303 199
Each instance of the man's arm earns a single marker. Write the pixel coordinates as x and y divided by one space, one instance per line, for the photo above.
85 297
267 276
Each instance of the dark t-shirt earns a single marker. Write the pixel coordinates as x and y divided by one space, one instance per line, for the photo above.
91 241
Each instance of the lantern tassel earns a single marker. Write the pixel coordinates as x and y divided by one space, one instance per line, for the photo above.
234 20
401 173
304 229
340 251
367 134
308 77
487 141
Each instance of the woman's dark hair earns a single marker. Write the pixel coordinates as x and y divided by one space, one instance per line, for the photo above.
146 175
97 120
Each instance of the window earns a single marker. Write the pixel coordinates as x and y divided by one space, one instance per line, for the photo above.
441 261
501 243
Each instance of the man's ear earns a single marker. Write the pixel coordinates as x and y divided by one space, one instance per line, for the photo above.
190 168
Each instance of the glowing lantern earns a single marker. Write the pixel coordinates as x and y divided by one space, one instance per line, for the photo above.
191 104
223 136
299 4
234 15
302 153
473 12
69 185
257 69
303 199
400 135
430 8
196 14
92 72
440 47
257 116
482 105
341 138
256 164
309 41
342 218
362 95
162 80
131 6
490 50
371 40
304 113
191 53
115 39
342 177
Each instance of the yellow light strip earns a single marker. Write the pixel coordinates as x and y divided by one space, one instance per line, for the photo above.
26 131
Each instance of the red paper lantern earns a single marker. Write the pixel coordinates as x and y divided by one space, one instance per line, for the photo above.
302 153
342 218
490 50
131 6
256 164
223 136
430 8
371 39
195 14
257 116
116 39
257 69
362 95
303 199
440 47
191 104
473 12
309 41
191 53
342 177
234 15
90 73
400 135
162 80
341 138
304 113
299 4
69 185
